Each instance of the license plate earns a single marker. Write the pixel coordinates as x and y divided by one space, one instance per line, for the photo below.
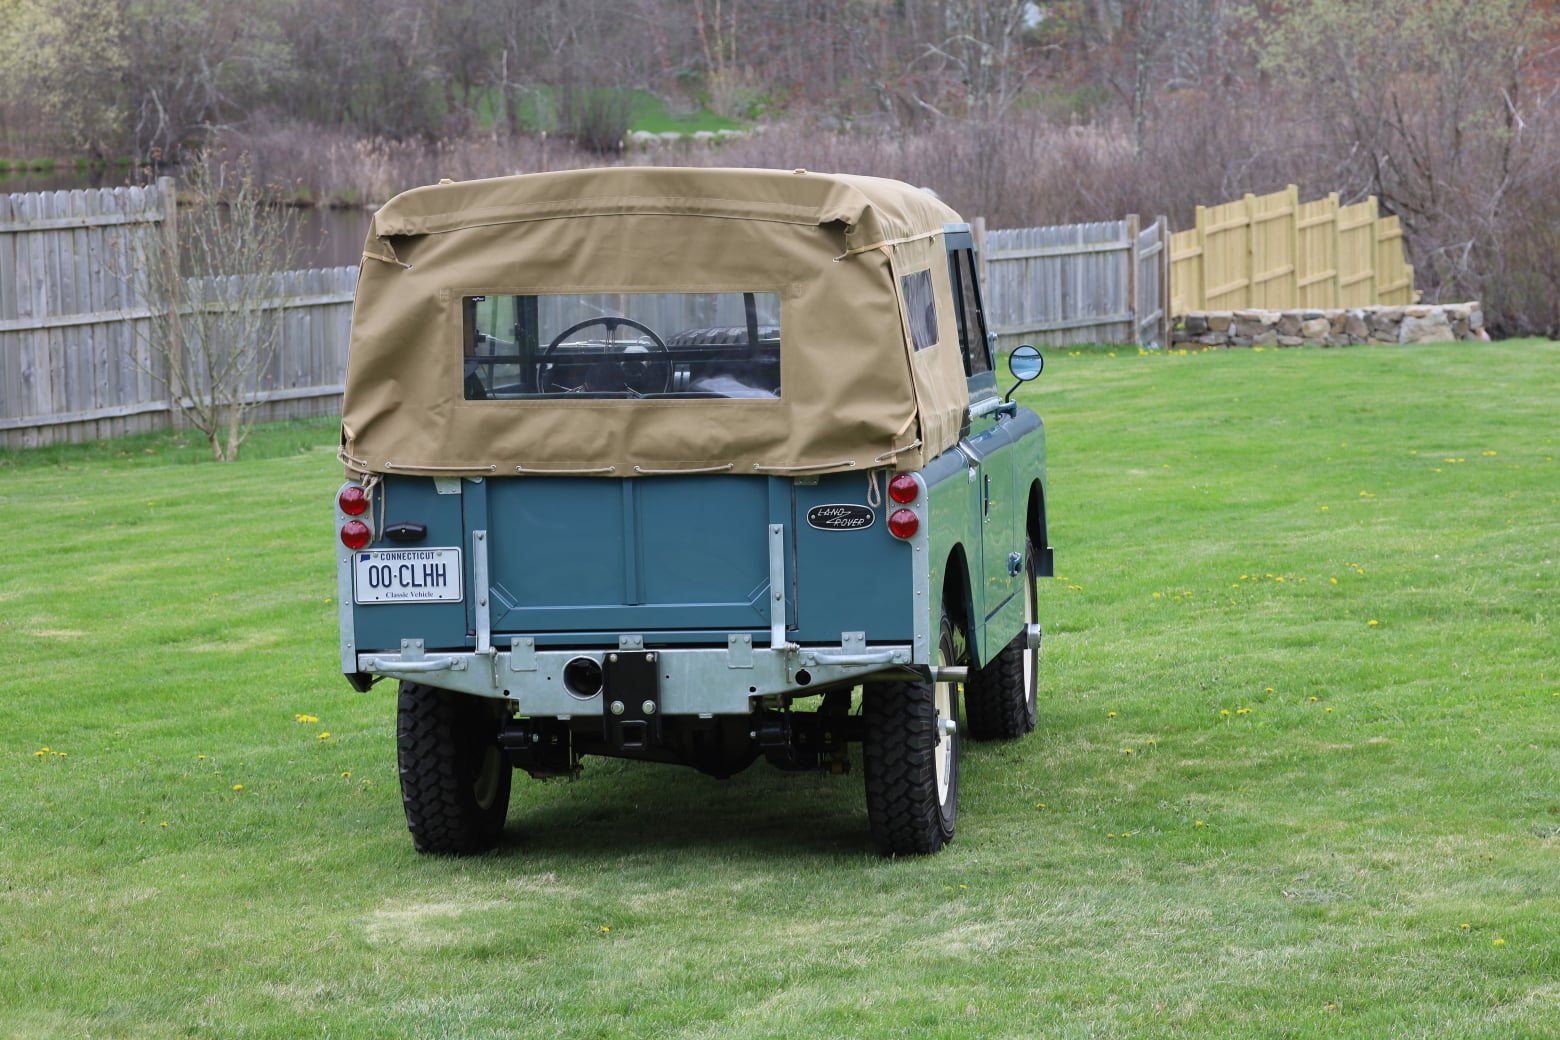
408 576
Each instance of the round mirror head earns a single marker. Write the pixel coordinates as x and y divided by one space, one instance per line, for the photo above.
1025 363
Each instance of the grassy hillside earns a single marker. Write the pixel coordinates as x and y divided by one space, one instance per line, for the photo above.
1298 772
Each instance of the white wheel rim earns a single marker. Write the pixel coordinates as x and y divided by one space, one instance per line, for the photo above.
942 750
1029 655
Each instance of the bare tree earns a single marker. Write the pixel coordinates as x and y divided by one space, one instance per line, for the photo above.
212 291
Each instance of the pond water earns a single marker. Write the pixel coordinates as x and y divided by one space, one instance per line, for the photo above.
327 237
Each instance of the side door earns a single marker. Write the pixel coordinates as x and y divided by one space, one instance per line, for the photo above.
988 446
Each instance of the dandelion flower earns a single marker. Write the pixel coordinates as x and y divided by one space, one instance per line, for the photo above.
1126 751
238 787
325 735
1199 823
1224 711
346 774
1373 623
1110 714
1465 926
305 718
1500 942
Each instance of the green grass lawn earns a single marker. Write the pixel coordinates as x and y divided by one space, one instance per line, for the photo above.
647 112
1298 773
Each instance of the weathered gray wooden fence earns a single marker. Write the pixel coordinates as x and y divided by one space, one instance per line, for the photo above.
75 366
74 361
1079 283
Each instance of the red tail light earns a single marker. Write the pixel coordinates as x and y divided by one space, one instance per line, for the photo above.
903 523
355 534
903 489
353 500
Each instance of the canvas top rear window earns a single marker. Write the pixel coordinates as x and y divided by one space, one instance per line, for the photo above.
622 346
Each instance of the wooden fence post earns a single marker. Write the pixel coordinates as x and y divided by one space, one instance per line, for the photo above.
1134 299
1163 339
1292 226
1201 226
1375 253
169 265
1337 248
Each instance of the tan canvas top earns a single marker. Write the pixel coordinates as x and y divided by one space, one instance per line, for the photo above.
854 390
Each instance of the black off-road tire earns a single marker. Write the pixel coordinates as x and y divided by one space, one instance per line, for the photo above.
1001 700
455 779
911 765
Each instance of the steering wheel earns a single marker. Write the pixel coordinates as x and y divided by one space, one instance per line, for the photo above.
605 372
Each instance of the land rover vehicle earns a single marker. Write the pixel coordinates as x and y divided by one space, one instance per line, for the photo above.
667 464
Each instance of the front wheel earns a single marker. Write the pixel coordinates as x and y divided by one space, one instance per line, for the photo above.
455 778
910 757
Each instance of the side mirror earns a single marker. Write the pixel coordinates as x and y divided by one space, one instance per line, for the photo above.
1025 363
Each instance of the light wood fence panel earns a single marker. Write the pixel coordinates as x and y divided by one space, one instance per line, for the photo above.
1316 250
1187 291
1394 275
1357 254
1275 252
1226 233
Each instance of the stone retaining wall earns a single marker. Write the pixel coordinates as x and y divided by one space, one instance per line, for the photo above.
1420 323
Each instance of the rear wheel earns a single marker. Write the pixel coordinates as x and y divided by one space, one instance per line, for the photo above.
455 778
910 757
1001 701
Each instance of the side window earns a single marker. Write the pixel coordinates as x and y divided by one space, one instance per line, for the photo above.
972 323
920 308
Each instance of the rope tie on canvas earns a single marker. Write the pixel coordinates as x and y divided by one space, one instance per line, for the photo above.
889 456
759 467
674 472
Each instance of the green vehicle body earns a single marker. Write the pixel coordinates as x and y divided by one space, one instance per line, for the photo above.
710 619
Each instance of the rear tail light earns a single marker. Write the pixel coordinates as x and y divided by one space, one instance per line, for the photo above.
903 489
355 534
903 523
353 500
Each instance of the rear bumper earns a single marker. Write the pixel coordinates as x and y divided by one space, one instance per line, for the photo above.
691 681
